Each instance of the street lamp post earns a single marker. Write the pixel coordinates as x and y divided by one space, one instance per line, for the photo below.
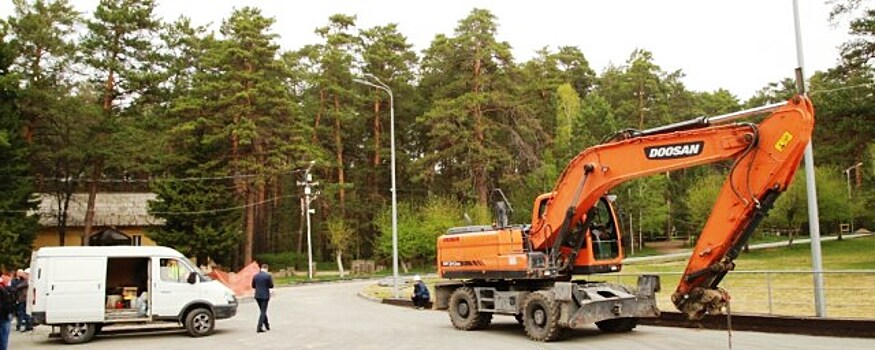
380 85
848 175
851 206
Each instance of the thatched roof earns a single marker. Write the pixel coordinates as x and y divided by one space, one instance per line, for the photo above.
110 209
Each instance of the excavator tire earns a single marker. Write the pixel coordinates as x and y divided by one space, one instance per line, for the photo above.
617 325
463 311
541 317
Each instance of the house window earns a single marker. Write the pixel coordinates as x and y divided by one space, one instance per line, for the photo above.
136 240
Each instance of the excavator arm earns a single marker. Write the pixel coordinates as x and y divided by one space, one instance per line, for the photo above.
765 156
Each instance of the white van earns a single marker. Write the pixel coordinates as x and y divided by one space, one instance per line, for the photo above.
81 289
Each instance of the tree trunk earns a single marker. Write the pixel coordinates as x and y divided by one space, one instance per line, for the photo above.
403 265
261 215
338 148
479 166
377 130
92 198
63 205
250 226
339 255
315 135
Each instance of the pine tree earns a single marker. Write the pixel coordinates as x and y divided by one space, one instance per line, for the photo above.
118 46
56 120
18 224
477 132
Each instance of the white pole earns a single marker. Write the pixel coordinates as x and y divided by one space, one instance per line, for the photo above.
811 188
309 241
631 229
382 86
394 196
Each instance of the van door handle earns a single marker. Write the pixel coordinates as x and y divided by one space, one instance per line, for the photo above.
165 292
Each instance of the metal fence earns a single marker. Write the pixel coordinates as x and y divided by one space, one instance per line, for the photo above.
849 293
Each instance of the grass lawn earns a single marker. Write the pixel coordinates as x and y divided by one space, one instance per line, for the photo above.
847 294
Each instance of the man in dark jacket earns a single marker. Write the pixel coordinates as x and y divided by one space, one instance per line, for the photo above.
262 282
23 323
420 293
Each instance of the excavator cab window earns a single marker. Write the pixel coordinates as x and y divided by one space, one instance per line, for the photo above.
602 230
542 206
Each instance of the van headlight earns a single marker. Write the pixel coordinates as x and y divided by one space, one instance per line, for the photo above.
230 298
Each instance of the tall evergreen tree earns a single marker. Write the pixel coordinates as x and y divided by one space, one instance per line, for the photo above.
238 119
118 46
477 133
17 225
387 55
56 120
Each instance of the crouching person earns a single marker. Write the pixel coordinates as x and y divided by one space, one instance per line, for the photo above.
420 297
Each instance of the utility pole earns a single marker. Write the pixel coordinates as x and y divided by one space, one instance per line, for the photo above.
308 185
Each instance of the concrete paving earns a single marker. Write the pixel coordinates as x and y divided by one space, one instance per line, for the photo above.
332 316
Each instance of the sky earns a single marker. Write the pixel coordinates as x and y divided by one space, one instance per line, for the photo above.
738 45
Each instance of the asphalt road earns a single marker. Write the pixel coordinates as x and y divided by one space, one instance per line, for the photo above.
333 316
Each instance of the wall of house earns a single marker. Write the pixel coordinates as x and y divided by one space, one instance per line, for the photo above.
48 236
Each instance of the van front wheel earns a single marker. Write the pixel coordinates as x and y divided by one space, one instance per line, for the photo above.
199 322
78 333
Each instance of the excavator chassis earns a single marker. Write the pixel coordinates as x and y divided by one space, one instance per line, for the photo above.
546 307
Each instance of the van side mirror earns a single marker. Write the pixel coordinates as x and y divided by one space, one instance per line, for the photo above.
192 278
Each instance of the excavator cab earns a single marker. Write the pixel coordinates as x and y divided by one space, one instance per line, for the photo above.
602 250
604 236
597 234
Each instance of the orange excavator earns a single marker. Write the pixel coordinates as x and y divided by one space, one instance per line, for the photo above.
528 270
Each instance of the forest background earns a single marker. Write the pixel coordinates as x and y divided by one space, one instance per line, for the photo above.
221 125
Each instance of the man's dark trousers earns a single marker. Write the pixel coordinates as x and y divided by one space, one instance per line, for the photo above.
262 317
262 283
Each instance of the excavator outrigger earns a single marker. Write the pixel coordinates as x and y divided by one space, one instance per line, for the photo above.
526 270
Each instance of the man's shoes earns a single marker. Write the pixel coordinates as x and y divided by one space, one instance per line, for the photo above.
259 331
266 327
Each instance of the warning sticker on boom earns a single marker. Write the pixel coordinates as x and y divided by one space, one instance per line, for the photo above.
783 141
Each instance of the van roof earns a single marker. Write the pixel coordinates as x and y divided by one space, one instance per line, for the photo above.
108 251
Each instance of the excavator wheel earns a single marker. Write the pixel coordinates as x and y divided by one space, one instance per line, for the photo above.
617 325
541 317
464 313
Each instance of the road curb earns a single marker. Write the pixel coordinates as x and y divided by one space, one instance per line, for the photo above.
833 327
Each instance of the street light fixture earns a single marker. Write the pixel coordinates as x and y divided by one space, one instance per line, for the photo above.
380 85
848 175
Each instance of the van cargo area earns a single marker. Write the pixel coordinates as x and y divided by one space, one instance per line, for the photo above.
127 289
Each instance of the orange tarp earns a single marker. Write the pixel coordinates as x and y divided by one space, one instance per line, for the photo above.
240 282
